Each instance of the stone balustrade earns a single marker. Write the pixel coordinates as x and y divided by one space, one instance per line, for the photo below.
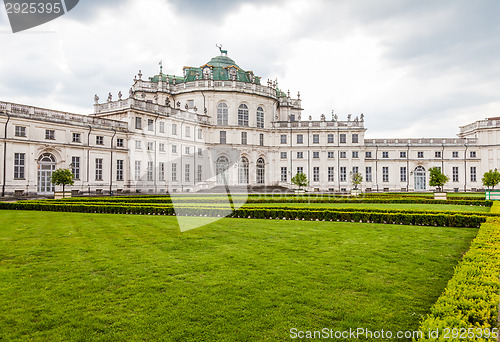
49 115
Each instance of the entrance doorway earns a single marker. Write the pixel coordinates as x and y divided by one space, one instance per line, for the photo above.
419 177
46 166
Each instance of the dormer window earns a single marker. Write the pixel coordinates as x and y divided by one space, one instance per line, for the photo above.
232 73
206 73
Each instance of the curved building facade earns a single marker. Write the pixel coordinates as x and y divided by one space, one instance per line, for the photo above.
215 125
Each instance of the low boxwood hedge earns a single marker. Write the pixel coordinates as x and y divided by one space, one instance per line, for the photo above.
426 219
470 301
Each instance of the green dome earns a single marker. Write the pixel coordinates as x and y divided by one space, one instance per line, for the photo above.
222 61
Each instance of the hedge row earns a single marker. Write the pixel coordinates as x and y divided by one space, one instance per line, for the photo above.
187 199
449 220
218 206
471 298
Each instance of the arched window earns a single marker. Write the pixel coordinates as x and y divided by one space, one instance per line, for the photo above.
222 114
420 179
221 170
261 171
260 117
243 115
46 165
243 171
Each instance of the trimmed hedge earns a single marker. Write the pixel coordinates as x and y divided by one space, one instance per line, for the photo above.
471 299
442 219
285 199
218 206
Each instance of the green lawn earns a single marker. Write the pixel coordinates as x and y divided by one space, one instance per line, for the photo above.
80 277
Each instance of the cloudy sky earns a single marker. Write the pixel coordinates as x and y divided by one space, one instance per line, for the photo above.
414 68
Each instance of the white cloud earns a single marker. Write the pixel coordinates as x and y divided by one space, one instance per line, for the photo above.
413 68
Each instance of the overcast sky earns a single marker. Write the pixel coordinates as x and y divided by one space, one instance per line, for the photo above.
414 68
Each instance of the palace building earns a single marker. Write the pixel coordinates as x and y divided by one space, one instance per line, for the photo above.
218 125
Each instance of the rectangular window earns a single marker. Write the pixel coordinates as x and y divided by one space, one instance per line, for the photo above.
343 173
151 146
284 174
200 134
368 155
315 138
137 170
473 174
188 132
355 154
151 125
402 154
385 174
138 145
161 147
75 167
161 171
199 174
385 154
368 173
162 127
150 171
343 155
331 173
342 138
50 134
77 138
455 154
331 155
120 142
98 169
473 154
420 154
222 137
261 139
300 169
300 155
119 170
300 139
330 139
244 138
455 173
20 131
200 152
174 172
437 154
138 123
355 138
99 140
315 174
316 155
174 148
19 162
174 129
355 169
187 172
187 150
283 155
283 139
403 177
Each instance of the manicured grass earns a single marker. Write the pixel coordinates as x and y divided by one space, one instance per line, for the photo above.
69 276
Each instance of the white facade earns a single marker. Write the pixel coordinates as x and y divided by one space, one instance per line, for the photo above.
217 124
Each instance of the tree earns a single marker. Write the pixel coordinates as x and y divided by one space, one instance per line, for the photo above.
491 178
437 178
300 179
356 179
62 177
